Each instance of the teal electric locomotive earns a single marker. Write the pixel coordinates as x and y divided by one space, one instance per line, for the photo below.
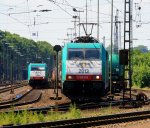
37 74
85 67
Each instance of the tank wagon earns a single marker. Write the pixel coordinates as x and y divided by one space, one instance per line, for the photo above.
37 74
85 67
117 73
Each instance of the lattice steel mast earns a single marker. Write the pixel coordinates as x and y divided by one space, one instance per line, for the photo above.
128 44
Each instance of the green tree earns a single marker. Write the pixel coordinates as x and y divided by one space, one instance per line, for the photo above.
141 68
29 48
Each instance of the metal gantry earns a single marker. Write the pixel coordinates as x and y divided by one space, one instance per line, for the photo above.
128 46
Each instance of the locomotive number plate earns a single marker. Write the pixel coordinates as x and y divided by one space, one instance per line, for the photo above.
82 70
38 73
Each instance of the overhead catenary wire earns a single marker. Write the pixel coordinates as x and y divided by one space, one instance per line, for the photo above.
12 5
60 7
29 17
119 11
67 5
58 3
14 19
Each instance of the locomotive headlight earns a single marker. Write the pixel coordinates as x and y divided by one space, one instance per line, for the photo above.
69 77
97 77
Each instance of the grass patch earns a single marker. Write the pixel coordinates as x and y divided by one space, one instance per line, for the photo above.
26 117
137 87
100 112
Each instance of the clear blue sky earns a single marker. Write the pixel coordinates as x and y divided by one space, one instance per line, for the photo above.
19 16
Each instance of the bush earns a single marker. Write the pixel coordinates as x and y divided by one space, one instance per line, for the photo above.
141 70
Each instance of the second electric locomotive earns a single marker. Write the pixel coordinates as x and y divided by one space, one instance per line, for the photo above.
37 74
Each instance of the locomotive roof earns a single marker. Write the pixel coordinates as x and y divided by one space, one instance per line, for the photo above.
83 45
37 64
84 42
85 39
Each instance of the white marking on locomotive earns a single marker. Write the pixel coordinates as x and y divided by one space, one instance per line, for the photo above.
84 67
37 74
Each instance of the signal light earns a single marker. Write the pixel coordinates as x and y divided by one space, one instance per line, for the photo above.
123 57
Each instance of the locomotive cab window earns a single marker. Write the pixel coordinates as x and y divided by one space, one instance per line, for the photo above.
75 54
83 54
92 54
37 68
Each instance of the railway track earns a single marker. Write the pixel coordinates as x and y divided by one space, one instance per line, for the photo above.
28 98
4 85
91 121
15 98
82 106
9 88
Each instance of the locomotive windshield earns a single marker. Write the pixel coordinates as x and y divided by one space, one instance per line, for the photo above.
92 54
83 54
75 54
37 68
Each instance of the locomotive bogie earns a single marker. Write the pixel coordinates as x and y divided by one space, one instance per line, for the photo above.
86 88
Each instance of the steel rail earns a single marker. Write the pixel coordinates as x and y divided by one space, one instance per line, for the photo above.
20 103
15 99
8 88
66 106
90 121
